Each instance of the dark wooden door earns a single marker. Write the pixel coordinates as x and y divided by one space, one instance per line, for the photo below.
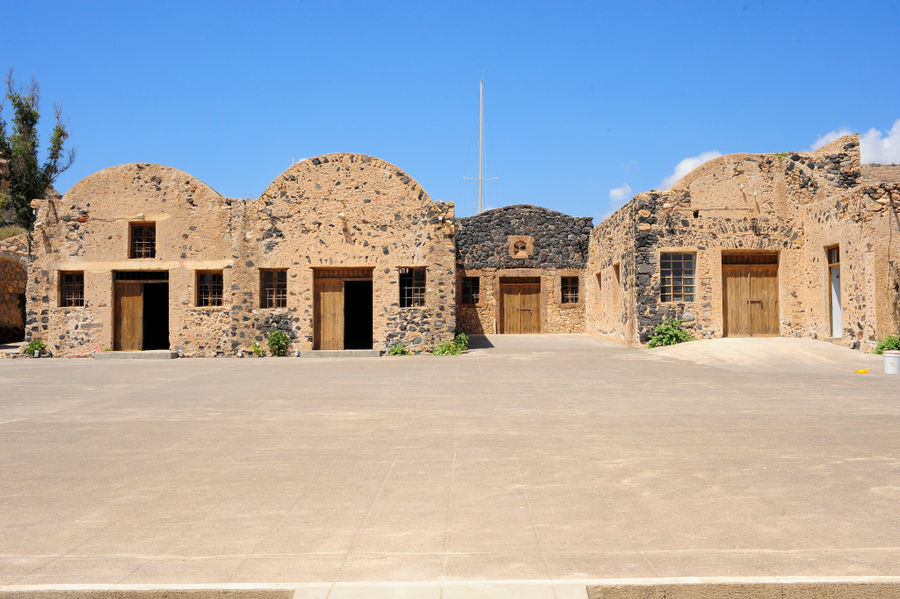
520 307
328 328
750 299
129 316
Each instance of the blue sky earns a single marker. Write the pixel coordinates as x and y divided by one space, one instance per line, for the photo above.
581 97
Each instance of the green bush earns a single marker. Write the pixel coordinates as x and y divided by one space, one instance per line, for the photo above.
36 345
669 332
278 342
461 339
257 350
399 350
891 343
448 348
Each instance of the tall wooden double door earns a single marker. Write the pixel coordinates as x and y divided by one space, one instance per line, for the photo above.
141 310
342 306
520 305
750 295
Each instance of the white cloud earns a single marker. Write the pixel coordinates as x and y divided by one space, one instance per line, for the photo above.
687 165
878 148
875 147
620 195
828 138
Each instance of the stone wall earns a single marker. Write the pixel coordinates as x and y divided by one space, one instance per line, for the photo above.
609 278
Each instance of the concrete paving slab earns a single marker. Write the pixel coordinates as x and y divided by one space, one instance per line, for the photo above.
554 458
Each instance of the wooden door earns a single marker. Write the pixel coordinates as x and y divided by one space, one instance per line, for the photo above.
328 328
520 308
750 299
129 316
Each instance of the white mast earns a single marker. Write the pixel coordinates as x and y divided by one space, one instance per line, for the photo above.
480 178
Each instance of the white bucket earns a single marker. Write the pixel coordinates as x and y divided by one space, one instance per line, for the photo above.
892 361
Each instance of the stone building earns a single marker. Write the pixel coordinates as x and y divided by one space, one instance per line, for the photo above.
347 251
519 270
340 251
792 244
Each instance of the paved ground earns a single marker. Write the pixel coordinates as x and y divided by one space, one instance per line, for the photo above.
553 457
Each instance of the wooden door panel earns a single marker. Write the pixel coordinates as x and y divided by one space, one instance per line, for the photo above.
735 287
329 314
764 299
750 299
129 316
520 307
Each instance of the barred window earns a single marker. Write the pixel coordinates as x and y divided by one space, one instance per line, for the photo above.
412 287
470 290
71 289
676 277
273 288
209 287
569 290
143 240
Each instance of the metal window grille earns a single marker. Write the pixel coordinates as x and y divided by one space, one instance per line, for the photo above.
676 277
209 288
470 290
143 240
273 288
412 287
569 290
71 289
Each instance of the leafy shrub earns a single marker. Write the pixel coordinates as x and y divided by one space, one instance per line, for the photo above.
891 343
462 340
278 342
36 345
399 350
10 231
257 350
448 348
669 332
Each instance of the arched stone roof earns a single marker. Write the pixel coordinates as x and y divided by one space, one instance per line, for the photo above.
141 179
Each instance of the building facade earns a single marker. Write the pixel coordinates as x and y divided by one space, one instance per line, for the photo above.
347 251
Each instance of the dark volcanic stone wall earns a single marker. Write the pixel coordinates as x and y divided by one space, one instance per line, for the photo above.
560 241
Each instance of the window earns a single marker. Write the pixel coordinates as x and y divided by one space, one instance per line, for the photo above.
143 240
569 290
676 277
209 287
71 289
470 290
412 287
834 255
273 288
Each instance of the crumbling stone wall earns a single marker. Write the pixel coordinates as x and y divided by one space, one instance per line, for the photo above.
610 278
554 245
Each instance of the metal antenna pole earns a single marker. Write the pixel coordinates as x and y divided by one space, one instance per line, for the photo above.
480 178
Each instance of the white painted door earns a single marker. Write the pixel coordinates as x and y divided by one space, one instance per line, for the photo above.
835 277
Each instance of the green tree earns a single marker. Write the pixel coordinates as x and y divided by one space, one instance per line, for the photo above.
26 178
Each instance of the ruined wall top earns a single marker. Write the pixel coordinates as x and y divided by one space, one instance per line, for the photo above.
522 236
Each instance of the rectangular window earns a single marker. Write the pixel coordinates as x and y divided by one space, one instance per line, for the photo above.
834 256
273 288
71 289
209 287
676 277
470 290
569 290
143 240
412 287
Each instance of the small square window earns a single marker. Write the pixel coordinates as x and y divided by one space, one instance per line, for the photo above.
412 287
209 287
143 240
470 290
71 289
273 288
569 290
676 277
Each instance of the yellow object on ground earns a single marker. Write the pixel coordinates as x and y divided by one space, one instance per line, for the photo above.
863 371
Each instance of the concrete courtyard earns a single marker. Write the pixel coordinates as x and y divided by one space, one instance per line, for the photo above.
556 458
